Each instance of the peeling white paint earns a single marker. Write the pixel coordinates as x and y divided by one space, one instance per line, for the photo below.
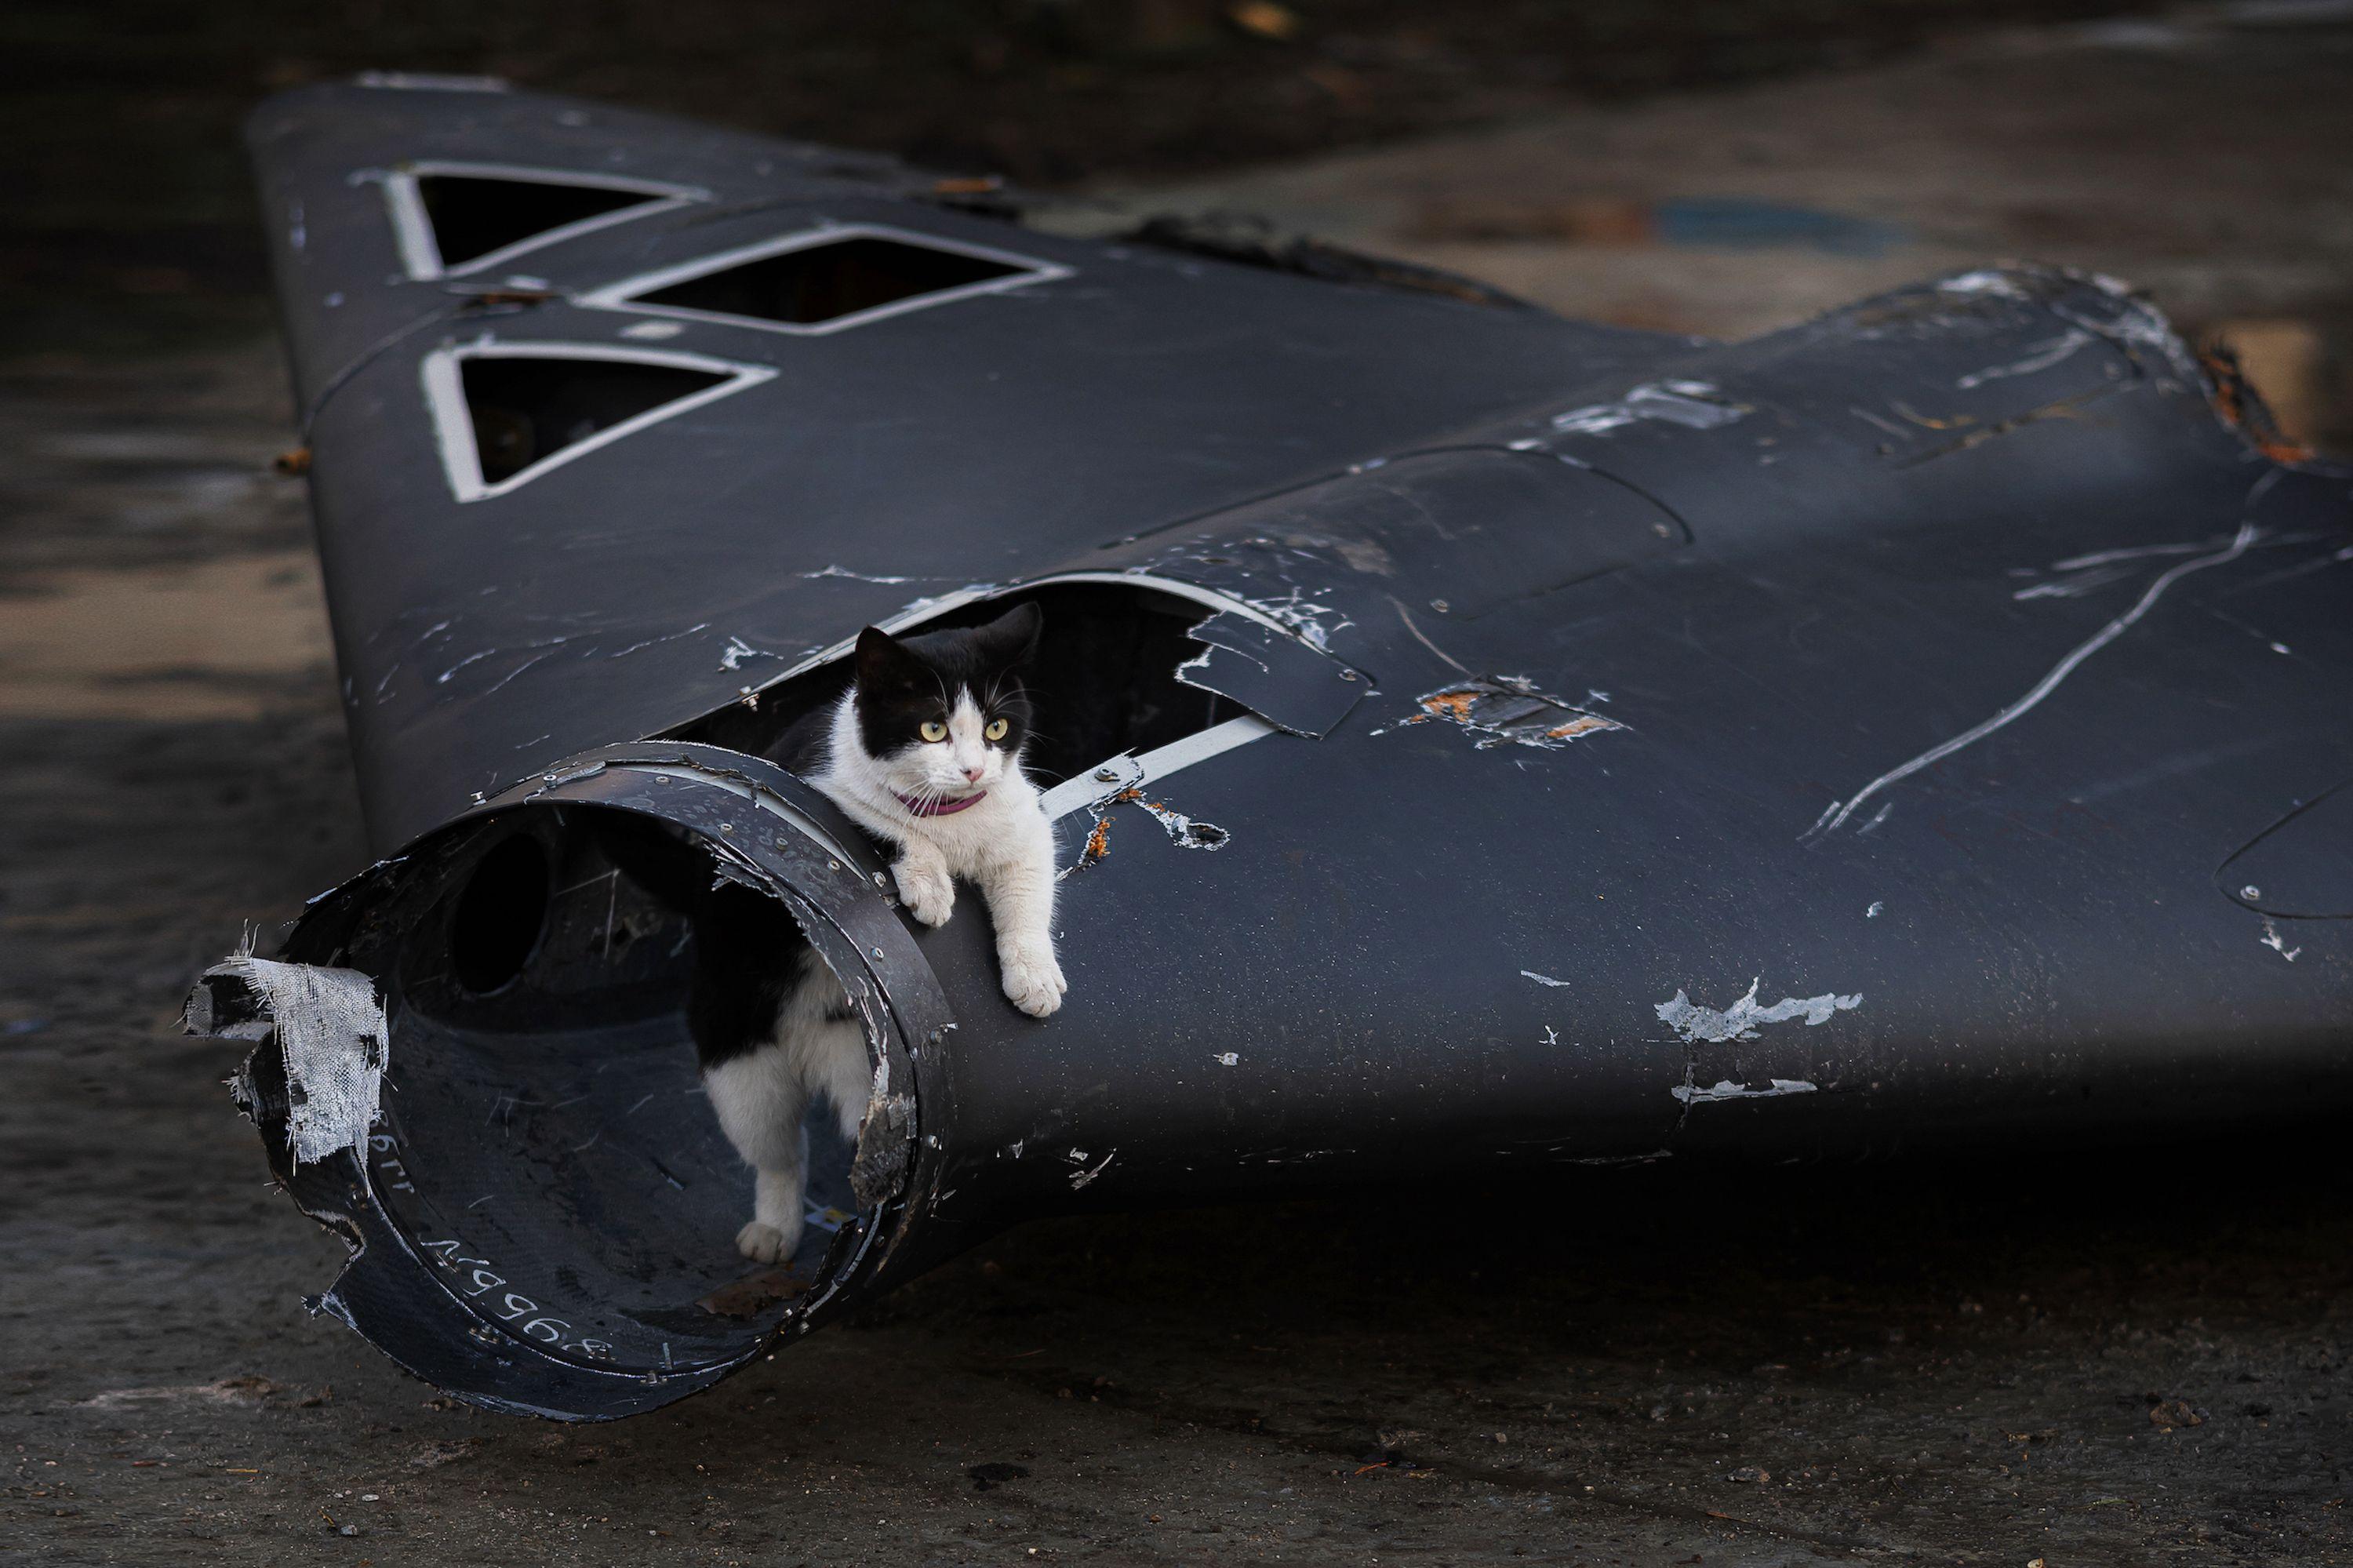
1986 281
2040 356
332 1035
1227 1058
1876 911
1695 405
1699 1025
2272 940
1726 1089
1301 615
1184 831
731 657
854 576
1543 979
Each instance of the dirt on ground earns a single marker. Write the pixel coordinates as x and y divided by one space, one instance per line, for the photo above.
2127 1355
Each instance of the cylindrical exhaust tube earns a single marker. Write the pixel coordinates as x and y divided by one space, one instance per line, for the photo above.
542 1221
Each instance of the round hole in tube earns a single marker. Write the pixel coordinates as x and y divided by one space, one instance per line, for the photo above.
499 916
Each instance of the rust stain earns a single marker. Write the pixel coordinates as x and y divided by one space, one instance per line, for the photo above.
1455 705
2243 409
1953 422
2070 408
1584 724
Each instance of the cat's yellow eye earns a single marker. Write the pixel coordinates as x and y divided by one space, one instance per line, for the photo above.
997 728
935 731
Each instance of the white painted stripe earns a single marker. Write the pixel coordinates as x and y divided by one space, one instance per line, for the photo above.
1076 794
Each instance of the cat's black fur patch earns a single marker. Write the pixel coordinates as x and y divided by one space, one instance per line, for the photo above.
747 951
904 683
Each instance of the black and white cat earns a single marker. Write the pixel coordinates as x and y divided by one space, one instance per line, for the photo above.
923 750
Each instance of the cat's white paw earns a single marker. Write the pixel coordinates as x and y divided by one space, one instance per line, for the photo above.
765 1243
1033 980
929 894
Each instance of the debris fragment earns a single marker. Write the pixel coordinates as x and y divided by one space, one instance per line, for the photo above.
2168 1413
1081 1176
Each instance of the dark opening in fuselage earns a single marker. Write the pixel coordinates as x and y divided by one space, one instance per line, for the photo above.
1105 682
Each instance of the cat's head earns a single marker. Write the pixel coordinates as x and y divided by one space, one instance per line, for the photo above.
944 713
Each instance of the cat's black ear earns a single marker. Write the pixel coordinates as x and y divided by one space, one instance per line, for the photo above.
882 663
1012 639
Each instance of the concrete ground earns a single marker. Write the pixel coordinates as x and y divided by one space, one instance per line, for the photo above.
2136 1355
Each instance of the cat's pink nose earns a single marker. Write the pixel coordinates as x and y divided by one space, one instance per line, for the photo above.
972 775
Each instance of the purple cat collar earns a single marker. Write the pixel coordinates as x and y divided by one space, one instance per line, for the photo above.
938 808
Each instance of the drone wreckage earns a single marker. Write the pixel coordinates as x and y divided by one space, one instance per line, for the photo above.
1479 739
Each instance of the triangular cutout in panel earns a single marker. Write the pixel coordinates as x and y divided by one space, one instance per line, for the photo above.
824 279
473 217
507 413
453 219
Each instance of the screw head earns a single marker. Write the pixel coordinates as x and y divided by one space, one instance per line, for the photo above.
2251 893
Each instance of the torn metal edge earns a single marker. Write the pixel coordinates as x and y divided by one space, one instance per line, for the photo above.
1457 703
331 1035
